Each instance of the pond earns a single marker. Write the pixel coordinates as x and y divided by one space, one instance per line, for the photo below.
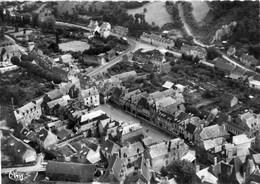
156 12
74 46
200 10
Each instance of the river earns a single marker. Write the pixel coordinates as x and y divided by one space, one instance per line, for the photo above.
156 12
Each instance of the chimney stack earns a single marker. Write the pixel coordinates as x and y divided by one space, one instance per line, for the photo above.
215 161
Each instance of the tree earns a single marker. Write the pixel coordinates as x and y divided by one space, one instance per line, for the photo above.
144 10
212 53
15 60
57 79
2 33
182 170
24 57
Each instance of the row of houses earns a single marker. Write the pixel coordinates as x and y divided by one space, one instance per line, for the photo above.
245 59
157 40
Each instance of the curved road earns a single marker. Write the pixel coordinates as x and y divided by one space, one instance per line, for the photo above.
188 30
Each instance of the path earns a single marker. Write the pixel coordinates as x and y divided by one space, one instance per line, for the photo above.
37 167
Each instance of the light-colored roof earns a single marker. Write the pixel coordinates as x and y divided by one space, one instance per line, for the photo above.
158 150
189 157
255 82
213 131
89 92
240 139
132 150
131 128
91 115
207 176
168 84
208 144
164 102
61 101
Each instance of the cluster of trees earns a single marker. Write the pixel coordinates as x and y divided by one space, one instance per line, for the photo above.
182 170
246 14
101 45
35 69
134 4
172 8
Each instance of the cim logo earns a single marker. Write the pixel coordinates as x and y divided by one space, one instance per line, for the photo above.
18 176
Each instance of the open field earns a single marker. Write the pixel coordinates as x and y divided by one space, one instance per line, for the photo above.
74 46
156 12
200 10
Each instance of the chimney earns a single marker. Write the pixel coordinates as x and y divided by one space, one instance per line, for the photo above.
244 177
197 168
215 161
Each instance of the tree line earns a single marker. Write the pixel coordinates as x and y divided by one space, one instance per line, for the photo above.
26 62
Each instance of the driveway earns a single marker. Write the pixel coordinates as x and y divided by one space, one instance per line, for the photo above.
120 115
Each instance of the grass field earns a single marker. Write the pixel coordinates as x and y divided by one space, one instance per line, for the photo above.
156 12
74 46
200 10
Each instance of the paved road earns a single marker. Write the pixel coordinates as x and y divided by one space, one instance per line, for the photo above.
189 32
27 169
114 61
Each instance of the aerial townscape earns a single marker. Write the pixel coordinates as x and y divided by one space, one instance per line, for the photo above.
137 92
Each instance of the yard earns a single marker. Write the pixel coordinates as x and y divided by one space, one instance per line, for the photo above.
74 46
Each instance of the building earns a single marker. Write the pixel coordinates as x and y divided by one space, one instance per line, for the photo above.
157 40
229 100
161 154
168 85
249 60
90 97
120 30
231 51
53 106
130 153
115 171
19 149
125 76
254 81
141 173
69 171
109 148
249 122
93 26
111 54
194 51
116 95
46 138
238 73
126 96
224 67
25 114
96 60
6 53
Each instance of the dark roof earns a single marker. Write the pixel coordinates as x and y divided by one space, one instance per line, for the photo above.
224 66
17 145
239 71
143 103
183 116
191 128
42 134
69 168
63 133
114 169
110 147
101 117
228 97
54 94
117 92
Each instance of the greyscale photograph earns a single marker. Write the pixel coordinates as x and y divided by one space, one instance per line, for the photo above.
130 92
